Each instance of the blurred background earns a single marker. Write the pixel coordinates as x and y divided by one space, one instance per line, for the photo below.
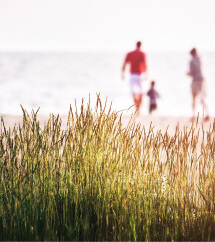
53 52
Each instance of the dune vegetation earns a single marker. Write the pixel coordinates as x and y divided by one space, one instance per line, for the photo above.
98 179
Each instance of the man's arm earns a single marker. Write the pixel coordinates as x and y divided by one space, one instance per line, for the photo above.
145 63
190 73
124 65
157 94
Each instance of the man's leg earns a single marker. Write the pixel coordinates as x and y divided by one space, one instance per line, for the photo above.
135 97
138 102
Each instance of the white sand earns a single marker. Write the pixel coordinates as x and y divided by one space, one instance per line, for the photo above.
170 122
158 122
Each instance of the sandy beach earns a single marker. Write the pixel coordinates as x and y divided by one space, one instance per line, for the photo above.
158 122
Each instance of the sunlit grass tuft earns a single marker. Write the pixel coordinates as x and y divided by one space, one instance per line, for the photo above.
100 180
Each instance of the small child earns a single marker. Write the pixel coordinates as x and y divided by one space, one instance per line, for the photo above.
153 95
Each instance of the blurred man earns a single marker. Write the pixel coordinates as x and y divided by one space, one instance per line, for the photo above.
137 61
198 83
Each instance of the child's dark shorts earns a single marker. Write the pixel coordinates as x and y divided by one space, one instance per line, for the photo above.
152 107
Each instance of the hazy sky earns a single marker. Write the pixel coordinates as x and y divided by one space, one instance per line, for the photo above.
106 24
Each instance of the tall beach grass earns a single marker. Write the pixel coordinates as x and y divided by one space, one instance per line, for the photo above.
101 180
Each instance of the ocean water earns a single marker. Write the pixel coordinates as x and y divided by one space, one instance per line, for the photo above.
54 81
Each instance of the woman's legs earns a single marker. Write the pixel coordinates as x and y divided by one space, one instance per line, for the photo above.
205 109
194 106
207 117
